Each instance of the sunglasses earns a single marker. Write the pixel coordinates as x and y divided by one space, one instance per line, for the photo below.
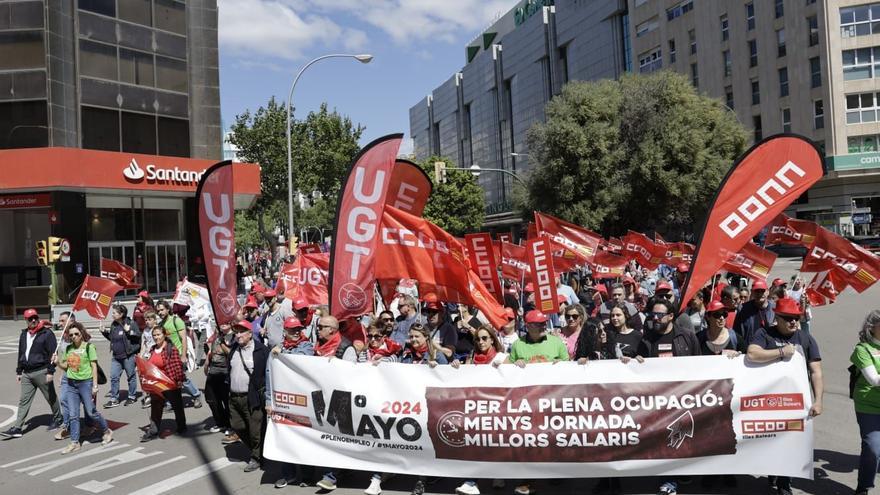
572 316
324 327
294 330
375 336
485 338
718 315
657 314
77 334
789 319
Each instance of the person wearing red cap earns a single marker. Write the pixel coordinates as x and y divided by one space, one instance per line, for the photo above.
717 338
144 303
779 342
696 309
444 336
537 345
248 359
756 313
508 334
35 370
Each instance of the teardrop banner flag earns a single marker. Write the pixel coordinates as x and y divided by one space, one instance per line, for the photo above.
410 188
217 227
762 183
358 215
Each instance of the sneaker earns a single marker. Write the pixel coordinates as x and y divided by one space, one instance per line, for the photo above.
498 484
12 433
107 437
468 488
197 402
419 489
668 488
129 401
62 434
215 429
375 487
167 407
145 402
281 483
252 465
230 439
111 404
327 483
524 489
72 448
149 435
54 426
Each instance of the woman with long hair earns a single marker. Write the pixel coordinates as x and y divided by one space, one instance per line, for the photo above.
575 317
622 340
164 356
866 399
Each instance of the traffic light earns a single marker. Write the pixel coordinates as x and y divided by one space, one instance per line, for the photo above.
55 249
439 172
42 253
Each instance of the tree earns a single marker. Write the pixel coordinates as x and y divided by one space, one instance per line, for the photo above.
457 205
641 153
323 145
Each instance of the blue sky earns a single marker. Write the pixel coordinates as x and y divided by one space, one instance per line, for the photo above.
417 45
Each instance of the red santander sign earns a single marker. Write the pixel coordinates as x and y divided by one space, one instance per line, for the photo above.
15 201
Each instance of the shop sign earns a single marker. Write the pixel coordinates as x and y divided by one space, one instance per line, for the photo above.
156 175
855 161
861 218
15 201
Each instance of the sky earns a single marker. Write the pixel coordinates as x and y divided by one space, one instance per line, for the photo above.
417 45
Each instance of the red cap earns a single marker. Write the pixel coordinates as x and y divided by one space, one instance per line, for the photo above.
293 322
663 285
143 293
258 288
432 301
777 282
244 324
628 280
300 303
560 299
508 312
535 316
251 303
30 313
787 306
529 288
270 293
683 267
601 288
715 305
759 284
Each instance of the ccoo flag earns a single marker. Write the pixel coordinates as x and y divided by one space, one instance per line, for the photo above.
410 188
762 183
95 296
120 273
214 198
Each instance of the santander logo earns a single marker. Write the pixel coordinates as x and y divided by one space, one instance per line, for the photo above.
133 171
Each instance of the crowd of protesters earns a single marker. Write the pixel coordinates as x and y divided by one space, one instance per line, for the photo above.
631 319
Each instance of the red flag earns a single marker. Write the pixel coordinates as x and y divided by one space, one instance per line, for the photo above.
786 230
674 253
306 277
613 245
153 380
829 251
752 261
95 296
639 247
514 261
583 243
828 284
531 231
409 189
356 238
482 258
308 248
543 276
482 299
762 183
608 265
214 197
120 273
564 260
504 237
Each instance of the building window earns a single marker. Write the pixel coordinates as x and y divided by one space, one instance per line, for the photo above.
173 137
728 69
779 9
671 51
21 50
136 11
862 20
783 81
786 120
646 27
651 61
136 67
756 92
100 129
862 144
681 9
725 28
750 16
756 124
171 16
728 96
171 74
813 28
23 124
862 108
97 60
105 7
695 77
753 53
815 73
859 64
818 114
138 133
780 43
692 38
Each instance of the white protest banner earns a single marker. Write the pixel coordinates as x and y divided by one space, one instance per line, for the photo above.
687 415
191 294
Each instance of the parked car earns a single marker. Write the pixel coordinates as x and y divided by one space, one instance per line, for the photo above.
788 250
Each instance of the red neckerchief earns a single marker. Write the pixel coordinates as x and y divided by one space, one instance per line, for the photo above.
329 348
486 357
289 343
419 352
388 348
36 328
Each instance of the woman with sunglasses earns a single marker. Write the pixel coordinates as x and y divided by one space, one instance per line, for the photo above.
164 356
575 316
717 339
380 347
80 361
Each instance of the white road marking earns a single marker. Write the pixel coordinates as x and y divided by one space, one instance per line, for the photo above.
12 418
95 486
184 477
62 460
117 460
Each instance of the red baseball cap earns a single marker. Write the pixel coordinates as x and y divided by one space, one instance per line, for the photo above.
293 322
244 324
270 293
787 306
601 288
258 288
683 267
432 301
560 299
759 284
535 316
664 285
30 313
300 303
715 305
628 280
777 282
508 312
143 293
529 287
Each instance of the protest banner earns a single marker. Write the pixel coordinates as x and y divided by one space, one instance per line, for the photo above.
660 417
95 296
214 198
119 272
483 261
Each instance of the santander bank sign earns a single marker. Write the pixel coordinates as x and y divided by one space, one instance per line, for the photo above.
156 175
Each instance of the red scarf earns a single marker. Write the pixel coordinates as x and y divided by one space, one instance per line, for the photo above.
37 328
329 348
289 343
486 357
419 352
388 348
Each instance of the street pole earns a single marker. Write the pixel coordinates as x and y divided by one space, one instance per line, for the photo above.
362 58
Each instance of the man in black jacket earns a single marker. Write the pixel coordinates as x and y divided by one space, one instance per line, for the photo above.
34 370
247 384
125 343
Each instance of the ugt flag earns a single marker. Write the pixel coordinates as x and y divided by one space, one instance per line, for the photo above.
217 227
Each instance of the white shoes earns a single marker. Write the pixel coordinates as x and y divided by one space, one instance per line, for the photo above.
468 488
375 487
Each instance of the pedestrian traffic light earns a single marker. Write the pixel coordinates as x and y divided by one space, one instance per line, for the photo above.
42 254
439 172
54 249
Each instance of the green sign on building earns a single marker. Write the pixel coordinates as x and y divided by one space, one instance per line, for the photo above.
854 161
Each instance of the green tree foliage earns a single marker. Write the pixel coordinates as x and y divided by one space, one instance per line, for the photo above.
457 205
642 153
323 145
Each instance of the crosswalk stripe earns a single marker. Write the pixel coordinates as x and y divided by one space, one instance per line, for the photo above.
95 486
184 477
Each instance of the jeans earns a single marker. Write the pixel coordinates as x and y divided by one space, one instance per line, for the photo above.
191 388
65 411
80 392
30 383
869 461
116 367
217 397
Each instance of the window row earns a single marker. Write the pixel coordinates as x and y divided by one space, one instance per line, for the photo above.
168 15
113 130
863 144
785 118
679 10
22 50
862 63
651 61
861 20
862 108
646 27
131 66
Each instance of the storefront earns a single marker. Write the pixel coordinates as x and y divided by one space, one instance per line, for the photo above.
137 209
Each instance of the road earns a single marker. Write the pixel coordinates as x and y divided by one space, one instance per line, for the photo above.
199 464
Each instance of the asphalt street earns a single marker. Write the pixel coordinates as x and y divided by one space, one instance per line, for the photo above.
199 464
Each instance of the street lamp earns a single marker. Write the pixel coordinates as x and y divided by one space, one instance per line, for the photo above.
476 170
520 154
363 58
